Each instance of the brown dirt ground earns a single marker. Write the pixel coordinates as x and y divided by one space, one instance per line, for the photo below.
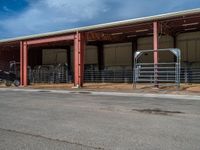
123 87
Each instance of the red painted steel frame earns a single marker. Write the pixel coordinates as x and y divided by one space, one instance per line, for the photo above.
24 55
25 64
155 41
21 64
79 47
50 39
155 46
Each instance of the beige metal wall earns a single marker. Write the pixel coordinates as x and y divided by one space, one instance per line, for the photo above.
54 56
147 44
91 56
118 55
189 43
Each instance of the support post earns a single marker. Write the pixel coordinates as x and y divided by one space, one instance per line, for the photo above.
155 46
174 41
69 57
134 48
25 64
79 48
100 51
174 45
21 63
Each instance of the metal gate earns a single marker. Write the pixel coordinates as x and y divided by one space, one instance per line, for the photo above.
158 74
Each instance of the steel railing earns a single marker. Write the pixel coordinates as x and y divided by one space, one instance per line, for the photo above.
165 75
103 76
157 73
60 74
50 74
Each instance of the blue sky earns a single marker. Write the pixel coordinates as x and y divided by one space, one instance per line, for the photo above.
24 17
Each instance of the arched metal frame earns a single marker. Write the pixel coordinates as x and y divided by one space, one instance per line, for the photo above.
157 73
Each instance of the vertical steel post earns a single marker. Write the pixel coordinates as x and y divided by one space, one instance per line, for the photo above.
69 57
174 41
79 47
21 63
134 49
174 46
25 64
155 46
100 51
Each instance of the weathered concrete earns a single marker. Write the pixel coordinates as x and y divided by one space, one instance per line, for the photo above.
42 119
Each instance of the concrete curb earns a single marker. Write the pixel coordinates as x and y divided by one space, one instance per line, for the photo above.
123 94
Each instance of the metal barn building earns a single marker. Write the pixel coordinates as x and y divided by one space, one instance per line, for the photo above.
105 52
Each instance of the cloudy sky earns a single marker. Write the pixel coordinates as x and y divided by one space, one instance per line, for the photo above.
23 17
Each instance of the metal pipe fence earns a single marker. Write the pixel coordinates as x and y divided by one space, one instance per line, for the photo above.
108 76
50 74
157 74
165 75
60 74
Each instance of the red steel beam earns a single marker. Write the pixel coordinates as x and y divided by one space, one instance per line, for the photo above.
21 63
155 41
25 64
155 47
50 39
24 55
79 47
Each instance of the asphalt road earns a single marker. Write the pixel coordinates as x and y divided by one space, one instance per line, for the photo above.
48 121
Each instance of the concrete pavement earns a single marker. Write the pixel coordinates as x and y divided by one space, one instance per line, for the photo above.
125 94
42 119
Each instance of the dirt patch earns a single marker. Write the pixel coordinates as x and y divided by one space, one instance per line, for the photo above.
51 86
157 111
122 87
111 86
142 87
193 88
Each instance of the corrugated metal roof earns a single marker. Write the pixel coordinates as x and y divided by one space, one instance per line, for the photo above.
107 25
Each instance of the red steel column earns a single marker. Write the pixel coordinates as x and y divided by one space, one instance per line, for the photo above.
21 63
155 41
25 64
155 47
79 47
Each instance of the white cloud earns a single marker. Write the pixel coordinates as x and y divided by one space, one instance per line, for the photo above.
51 15
46 15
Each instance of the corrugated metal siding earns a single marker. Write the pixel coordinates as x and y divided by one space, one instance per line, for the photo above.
121 54
189 43
118 54
146 43
91 56
54 56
